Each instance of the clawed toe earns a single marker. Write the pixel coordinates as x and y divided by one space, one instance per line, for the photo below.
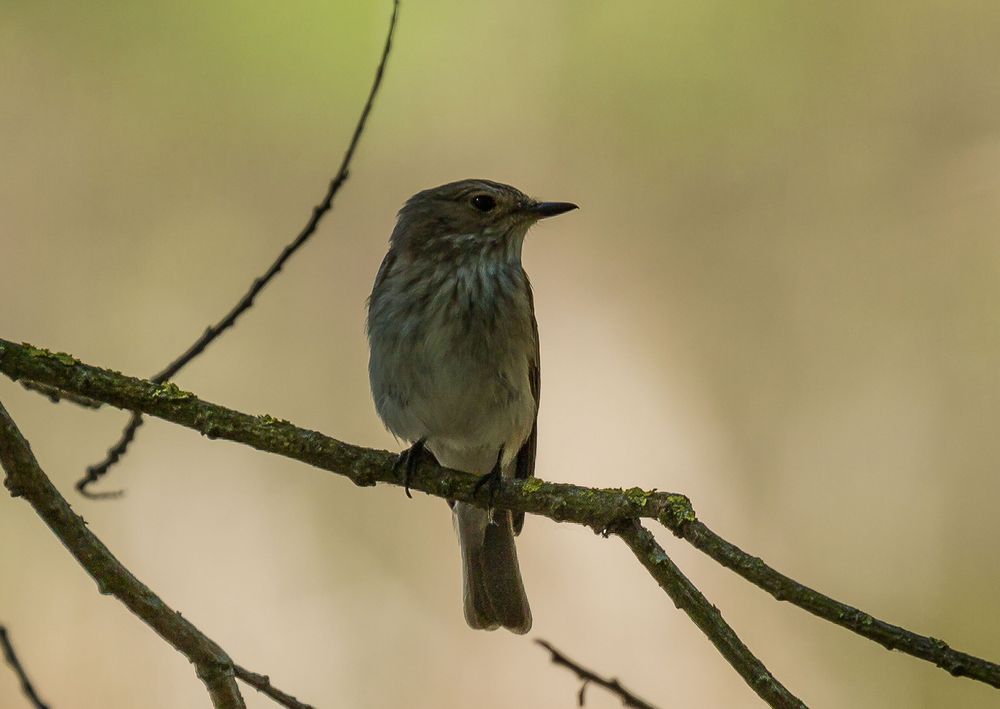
408 461
491 481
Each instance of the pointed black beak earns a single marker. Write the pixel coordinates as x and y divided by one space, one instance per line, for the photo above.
551 209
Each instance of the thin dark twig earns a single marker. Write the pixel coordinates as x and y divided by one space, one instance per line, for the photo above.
15 664
55 395
262 683
96 471
593 507
587 676
707 617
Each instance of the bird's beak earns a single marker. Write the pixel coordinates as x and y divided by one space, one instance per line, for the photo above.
540 210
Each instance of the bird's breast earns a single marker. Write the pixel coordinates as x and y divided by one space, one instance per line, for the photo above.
451 354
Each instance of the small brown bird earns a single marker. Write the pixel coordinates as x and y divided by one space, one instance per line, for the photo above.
454 364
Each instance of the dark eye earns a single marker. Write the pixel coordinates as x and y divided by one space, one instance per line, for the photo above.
483 202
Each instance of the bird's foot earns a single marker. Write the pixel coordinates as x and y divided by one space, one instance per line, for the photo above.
491 481
408 461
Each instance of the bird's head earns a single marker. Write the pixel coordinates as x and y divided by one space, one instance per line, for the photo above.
469 217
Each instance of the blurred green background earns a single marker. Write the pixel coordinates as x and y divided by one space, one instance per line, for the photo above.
779 297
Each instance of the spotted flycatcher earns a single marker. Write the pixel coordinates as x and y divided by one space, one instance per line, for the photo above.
454 365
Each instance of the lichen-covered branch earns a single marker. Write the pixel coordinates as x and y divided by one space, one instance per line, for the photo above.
25 478
600 509
892 637
363 466
706 616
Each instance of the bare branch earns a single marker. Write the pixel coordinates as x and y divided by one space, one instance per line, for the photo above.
587 676
706 616
783 588
600 509
96 471
25 478
262 683
22 676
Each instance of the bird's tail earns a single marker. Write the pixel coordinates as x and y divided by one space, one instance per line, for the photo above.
494 592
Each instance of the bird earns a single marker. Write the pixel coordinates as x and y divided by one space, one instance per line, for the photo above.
454 365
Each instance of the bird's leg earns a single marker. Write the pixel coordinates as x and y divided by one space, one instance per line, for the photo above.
408 460
491 480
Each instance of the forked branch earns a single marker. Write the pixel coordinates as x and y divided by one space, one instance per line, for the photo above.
588 677
25 478
604 510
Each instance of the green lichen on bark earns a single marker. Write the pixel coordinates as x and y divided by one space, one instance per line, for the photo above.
558 501
62 358
676 513
601 509
531 485
169 390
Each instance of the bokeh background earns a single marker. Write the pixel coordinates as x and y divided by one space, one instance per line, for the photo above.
780 297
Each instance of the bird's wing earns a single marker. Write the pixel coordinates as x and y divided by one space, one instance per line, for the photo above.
525 465
383 270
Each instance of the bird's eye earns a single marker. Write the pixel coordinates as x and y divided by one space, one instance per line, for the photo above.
483 202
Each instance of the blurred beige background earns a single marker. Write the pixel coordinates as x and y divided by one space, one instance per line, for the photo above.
780 297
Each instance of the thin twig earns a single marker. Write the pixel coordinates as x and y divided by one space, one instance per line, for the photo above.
25 478
55 396
96 471
706 616
587 676
595 508
15 664
262 683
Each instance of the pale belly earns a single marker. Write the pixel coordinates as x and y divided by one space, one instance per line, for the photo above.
473 400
